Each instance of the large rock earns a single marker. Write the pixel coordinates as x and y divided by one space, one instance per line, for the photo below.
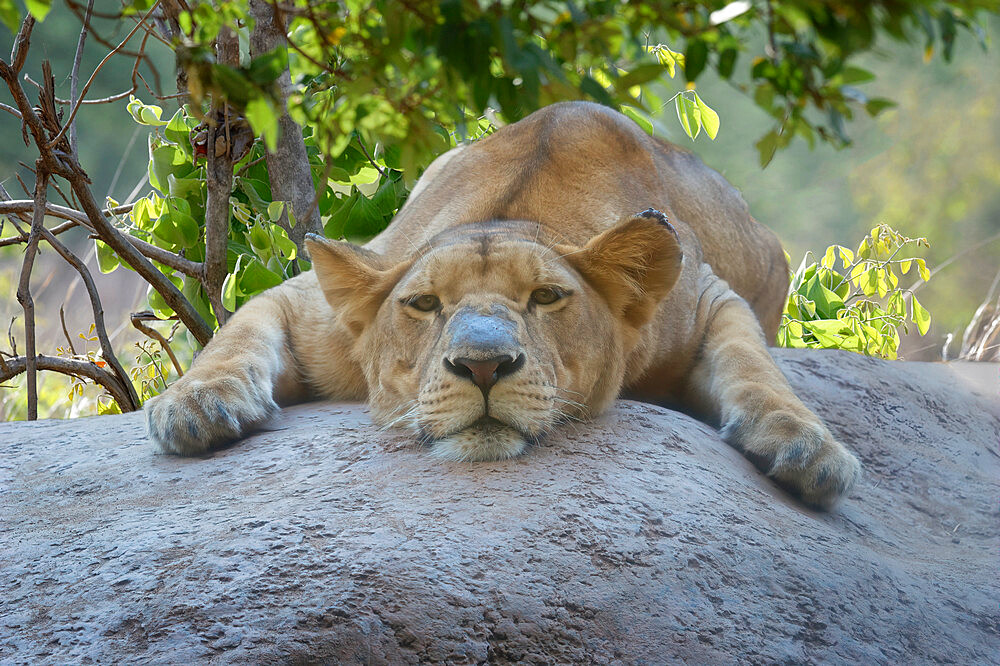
641 538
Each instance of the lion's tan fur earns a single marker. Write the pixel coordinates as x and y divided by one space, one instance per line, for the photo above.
668 316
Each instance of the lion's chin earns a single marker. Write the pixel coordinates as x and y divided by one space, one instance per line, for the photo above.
486 439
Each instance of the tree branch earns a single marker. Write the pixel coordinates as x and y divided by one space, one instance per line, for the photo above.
24 286
67 167
86 87
75 217
107 351
288 167
219 185
19 52
74 78
12 367
138 319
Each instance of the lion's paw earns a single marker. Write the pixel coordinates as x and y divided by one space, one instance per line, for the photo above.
799 453
195 416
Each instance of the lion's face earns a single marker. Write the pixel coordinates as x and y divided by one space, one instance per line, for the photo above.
487 338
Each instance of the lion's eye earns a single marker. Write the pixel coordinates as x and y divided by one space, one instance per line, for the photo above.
425 302
545 295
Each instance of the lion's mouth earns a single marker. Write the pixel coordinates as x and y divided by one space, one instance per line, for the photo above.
486 438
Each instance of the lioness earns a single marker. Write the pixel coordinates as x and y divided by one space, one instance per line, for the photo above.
520 287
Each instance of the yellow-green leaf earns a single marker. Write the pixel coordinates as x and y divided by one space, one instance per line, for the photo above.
925 274
709 118
687 113
921 317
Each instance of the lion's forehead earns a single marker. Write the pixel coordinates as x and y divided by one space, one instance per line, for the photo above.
500 266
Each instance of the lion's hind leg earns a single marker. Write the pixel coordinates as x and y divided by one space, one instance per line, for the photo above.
736 380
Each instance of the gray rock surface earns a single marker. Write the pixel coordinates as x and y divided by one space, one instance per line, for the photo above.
638 539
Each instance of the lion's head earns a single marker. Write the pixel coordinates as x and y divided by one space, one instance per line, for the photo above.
490 334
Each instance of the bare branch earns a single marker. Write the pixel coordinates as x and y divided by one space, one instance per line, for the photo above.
19 52
74 77
69 340
68 366
86 87
11 110
138 319
24 287
23 238
165 257
107 351
102 100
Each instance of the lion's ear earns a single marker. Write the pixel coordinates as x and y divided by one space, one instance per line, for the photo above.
354 280
633 265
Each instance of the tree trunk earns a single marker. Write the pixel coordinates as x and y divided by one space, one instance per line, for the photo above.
288 166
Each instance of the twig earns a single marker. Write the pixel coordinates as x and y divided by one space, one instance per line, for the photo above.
19 52
137 319
76 107
243 169
24 287
950 260
11 110
69 340
74 77
107 351
102 100
370 160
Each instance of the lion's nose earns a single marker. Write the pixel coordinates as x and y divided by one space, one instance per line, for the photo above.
485 373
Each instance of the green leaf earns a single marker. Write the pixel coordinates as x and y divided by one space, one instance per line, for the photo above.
284 243
638 118
254 278
709 118
920 316
229 292
275 209
10 16
107 260
266 68
687 113
264 121
925 274
877 105
177 130
38 8
695 58
830 258
766 146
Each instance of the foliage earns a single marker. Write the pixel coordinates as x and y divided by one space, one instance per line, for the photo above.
399 72
860 307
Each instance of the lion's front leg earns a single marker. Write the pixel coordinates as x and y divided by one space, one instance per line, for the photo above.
230 388
738 382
